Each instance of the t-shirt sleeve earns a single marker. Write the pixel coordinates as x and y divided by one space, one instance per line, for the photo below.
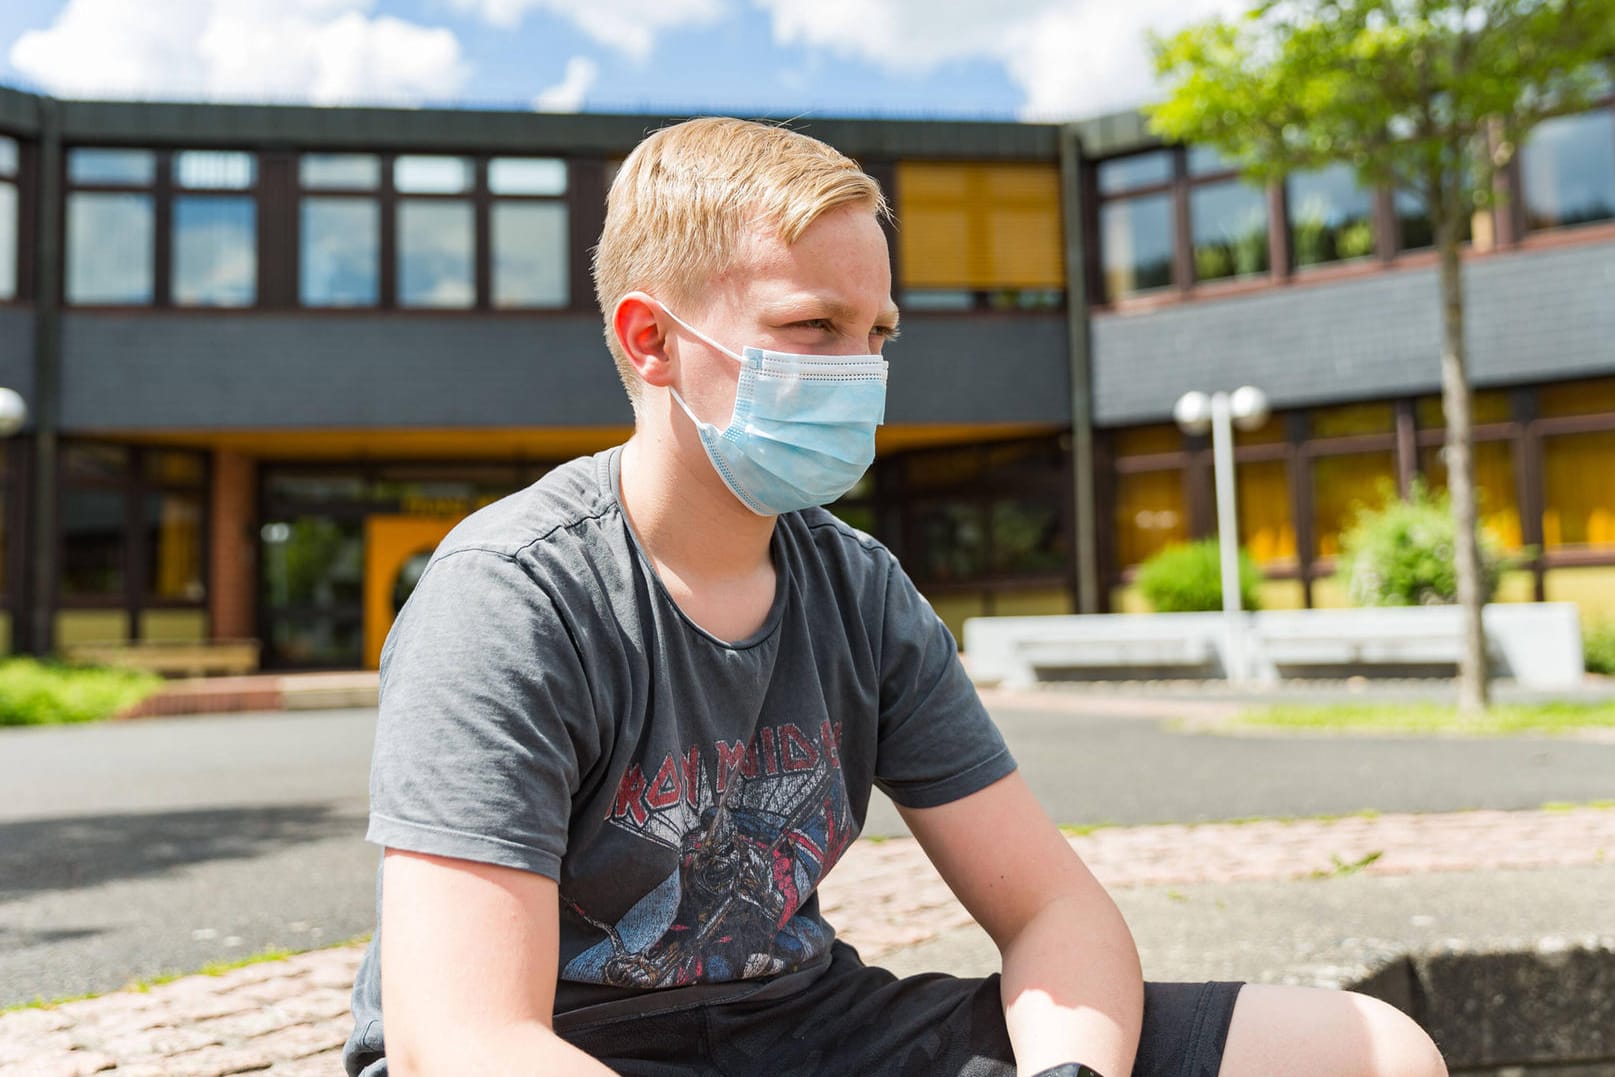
486 721
937 743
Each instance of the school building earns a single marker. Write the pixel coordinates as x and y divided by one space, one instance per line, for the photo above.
271 354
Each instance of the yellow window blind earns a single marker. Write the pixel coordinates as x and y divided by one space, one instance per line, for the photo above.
979 226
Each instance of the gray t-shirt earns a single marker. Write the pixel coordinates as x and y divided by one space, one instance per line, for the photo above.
545 705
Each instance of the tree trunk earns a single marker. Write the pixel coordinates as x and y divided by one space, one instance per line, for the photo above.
1474 678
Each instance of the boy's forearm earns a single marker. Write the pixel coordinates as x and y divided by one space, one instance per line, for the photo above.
514 1049
1073 990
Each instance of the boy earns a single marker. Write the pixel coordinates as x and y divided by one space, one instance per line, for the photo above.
633 714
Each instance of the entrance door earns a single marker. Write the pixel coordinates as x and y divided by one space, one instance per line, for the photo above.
396 551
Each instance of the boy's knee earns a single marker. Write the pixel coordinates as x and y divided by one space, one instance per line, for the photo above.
1401 1048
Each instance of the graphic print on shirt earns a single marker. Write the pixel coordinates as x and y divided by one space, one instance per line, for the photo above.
755 826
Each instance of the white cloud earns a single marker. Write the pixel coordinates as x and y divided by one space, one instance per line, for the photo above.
630 26
568 94
322 51
1072 58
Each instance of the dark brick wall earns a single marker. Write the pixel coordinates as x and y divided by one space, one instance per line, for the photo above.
206 370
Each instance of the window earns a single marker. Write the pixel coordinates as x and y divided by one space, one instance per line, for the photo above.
1136 245
113 241
981 234
340 250
435 262
1578 498
528 226
1498 507
10 223
1568 171
1331 217
1228 230
1150 515
133 532
1341 487
1266 527
215 235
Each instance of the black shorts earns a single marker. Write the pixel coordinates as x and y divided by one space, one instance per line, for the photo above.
856 1021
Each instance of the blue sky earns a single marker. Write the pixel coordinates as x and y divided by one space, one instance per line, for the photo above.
1036 59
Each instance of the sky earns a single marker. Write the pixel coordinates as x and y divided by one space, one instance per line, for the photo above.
1044 60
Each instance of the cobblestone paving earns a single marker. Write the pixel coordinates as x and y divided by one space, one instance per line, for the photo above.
289 1018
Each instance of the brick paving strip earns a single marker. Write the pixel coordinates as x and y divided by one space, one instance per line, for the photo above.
289 1018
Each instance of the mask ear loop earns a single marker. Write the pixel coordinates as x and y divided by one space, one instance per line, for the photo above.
698 333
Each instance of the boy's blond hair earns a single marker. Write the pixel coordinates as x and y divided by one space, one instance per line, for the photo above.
686 196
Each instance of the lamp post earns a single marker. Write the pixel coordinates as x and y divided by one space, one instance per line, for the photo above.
13 412
1197 412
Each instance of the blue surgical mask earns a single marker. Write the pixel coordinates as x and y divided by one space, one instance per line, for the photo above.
803 428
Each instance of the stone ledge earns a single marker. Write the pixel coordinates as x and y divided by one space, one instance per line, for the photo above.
1500 1012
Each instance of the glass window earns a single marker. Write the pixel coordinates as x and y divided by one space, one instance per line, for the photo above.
8 156
8 240
92 542
1499 509
952 542
1568 170
1266 524
527 175
432 175
313 561
529 254
1150 515
175 468
1578 498
1595 397
1486 406
215 252
1229 227
96 461
1331 216
1414 229
340 171
1136 243
1138 170
1208 161
1147 440
339 256
1341 486
915 299
212 170
1352 420
1026 536
174 546
109 248
124 168
435 254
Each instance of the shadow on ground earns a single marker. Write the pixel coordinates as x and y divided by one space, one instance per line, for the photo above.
81 851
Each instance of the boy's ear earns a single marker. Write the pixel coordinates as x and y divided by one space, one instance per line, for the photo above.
638 325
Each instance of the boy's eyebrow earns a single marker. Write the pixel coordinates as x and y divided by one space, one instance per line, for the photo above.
837 310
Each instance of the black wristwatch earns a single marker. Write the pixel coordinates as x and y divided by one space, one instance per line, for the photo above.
1070 1069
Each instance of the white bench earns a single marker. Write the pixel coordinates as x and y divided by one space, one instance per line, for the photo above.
1538 644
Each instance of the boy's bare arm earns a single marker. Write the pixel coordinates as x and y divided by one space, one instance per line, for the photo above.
1072 987
468 968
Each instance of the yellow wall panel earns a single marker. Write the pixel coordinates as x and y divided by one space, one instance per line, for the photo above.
91 626
174 626
979 226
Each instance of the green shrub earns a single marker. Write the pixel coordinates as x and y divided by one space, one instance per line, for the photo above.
40 693
1598 646
1402 554
1187 578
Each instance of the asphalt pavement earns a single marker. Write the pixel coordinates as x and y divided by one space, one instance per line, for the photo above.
135 849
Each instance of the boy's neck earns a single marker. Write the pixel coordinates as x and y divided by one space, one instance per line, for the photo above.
686 519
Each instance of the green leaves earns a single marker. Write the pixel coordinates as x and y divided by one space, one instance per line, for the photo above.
1402 555
1187 578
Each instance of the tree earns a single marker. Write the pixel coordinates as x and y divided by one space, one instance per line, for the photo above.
1429 97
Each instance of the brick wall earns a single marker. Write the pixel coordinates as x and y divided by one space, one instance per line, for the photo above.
232 568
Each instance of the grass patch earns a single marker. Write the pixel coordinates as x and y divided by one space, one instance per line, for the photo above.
212 968
1501 720
45 693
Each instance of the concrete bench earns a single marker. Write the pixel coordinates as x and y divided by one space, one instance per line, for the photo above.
1537 644
1080 653
172 658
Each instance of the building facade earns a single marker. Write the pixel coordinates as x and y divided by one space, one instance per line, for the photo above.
272 354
